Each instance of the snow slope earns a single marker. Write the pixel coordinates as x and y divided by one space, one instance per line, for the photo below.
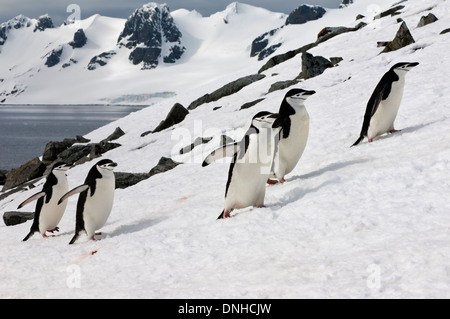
370 221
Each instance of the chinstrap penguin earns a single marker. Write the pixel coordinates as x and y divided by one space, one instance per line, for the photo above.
251 164
95 200
384 103
48 213
294 133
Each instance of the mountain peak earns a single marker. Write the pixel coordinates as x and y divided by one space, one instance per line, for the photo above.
152 34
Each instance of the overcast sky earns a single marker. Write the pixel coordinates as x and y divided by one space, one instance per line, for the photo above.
57 9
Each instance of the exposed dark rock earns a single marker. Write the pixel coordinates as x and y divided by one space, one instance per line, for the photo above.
281 85
16 218
79 39
176 115
392 12
164 164
149 32
305 13
28 171
226 90
104 146
74 153
345 3
124 180
3 176
445 31
313 66
115 135
330 32
53 149
44 22
402 39
430 18
324 35
259 45
359 17
16 23
54 57
250 104
198 141
67 64
100 60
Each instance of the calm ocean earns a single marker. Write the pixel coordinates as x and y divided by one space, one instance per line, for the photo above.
26 129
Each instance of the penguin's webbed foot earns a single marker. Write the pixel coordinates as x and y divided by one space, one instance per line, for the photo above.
53 230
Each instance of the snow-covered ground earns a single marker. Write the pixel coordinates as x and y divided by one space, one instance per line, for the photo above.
372 221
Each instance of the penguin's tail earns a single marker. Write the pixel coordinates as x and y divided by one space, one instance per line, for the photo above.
74 238
358 140
221 215
31 233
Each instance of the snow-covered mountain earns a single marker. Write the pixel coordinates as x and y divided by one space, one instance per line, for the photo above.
370 221
190 50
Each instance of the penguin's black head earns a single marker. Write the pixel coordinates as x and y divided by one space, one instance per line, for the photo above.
404 66
106 164
265 119
60 166
299 94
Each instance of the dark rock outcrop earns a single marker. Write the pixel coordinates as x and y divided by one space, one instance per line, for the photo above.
176 115
54 57
305 13
124 180
428 19
164 164
28 171
402 39
149 32
260 45
53 149
16 218
100 60
250 104
3 174
281 85
79 39
226 90
345 3
18 22
198 141
391 12
445 31
44 22
313 66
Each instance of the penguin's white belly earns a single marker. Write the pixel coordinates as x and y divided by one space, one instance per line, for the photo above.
51 213
250 174
383 119
292 148
98 207
247 187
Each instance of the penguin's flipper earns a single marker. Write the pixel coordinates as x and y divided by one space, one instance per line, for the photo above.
74 191
32 198
225 151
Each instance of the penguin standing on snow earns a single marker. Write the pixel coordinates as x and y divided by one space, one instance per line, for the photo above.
48 213
96 199
294 133
384 103
251 165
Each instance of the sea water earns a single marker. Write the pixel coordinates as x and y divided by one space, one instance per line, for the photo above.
26 129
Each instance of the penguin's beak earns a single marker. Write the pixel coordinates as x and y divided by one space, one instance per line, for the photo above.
309 93
414 64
